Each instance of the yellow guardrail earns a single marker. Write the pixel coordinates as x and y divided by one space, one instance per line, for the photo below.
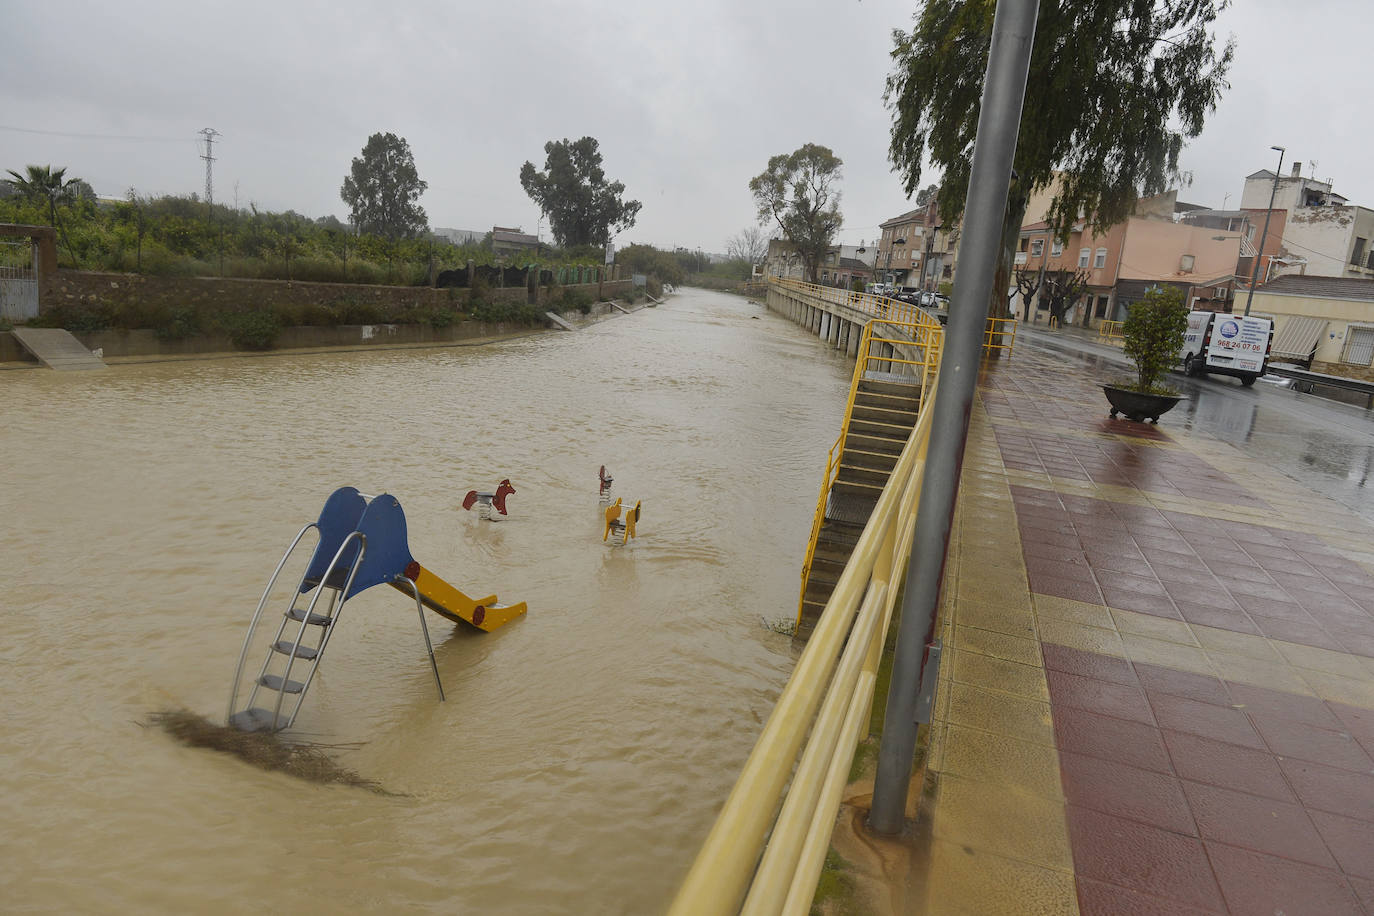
1000 334
923 339
1110 332
825 706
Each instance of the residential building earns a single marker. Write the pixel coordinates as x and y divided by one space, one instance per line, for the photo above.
1321 233
1120 263
506 241
903 244
841 266
1326 323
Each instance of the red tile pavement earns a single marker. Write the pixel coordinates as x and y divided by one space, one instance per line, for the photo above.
1262 797
1186 793
1096 898
1142 858
1263 884
1240 577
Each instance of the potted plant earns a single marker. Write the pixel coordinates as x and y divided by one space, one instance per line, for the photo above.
1153 333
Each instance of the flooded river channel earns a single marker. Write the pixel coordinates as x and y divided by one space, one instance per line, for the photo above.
583 749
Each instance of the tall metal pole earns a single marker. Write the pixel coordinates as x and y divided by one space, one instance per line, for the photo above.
1259 253
1004 89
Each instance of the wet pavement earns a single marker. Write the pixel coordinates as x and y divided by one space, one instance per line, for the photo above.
1326 445
1158 688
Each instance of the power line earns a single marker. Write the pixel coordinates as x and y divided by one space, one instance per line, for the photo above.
59 133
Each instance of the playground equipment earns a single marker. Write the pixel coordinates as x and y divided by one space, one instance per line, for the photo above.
604 491
486 501
362 543
614 525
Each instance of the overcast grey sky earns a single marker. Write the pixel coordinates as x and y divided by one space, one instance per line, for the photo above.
688 100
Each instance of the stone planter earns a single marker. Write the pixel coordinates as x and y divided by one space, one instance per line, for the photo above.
1139 407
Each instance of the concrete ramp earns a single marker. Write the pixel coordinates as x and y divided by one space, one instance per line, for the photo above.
559 322
617 306
57 348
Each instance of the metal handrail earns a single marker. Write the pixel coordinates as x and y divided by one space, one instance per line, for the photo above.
252 624
896 310
996 335
832 471
837 672
925 334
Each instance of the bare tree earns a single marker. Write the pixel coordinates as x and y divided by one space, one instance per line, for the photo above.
749 246
1028 283
1062 288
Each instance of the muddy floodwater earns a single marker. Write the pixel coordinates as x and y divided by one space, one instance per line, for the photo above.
583 749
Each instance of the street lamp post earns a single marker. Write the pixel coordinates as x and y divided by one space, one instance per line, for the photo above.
887 271
1259 252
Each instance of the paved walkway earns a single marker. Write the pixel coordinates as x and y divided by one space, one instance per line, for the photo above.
1159 694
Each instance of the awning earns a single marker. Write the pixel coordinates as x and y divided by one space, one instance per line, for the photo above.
1297 337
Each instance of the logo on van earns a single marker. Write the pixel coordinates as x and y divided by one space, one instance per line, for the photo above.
1229 329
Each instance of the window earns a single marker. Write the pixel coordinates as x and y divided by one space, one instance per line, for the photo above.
1370 263
825 276
1024 244
1083 254
915 256
1358 255
1359 345
1056 248
1100 259
1185 264
1037 248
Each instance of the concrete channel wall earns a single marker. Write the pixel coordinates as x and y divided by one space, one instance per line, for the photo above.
145 343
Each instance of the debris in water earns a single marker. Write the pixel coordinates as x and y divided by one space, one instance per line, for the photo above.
784 625
266 750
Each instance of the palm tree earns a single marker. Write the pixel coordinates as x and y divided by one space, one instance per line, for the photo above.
43 181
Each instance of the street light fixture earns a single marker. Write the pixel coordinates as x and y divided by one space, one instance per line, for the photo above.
1259 252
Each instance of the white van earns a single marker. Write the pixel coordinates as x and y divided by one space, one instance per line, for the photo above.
1220 344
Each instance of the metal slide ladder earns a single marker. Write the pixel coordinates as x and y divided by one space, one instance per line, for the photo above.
303 634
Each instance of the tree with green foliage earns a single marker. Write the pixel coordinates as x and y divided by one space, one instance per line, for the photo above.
1115 88
1153 335
797 192
44 183
383 189
582 206
652 262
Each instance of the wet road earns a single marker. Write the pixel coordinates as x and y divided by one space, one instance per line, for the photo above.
1325 445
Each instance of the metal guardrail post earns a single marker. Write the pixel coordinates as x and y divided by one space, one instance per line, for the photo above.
1004 87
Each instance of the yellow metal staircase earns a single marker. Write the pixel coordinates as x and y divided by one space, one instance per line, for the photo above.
895 367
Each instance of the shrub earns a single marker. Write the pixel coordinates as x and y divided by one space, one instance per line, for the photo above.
1153 333
441 316
77 317
252 330
178 323
353 311
576 299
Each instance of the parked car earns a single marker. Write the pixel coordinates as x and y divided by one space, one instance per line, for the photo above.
1220 344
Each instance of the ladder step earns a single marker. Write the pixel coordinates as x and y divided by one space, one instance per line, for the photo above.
256 720
275 682
319 620
336 580
284 646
